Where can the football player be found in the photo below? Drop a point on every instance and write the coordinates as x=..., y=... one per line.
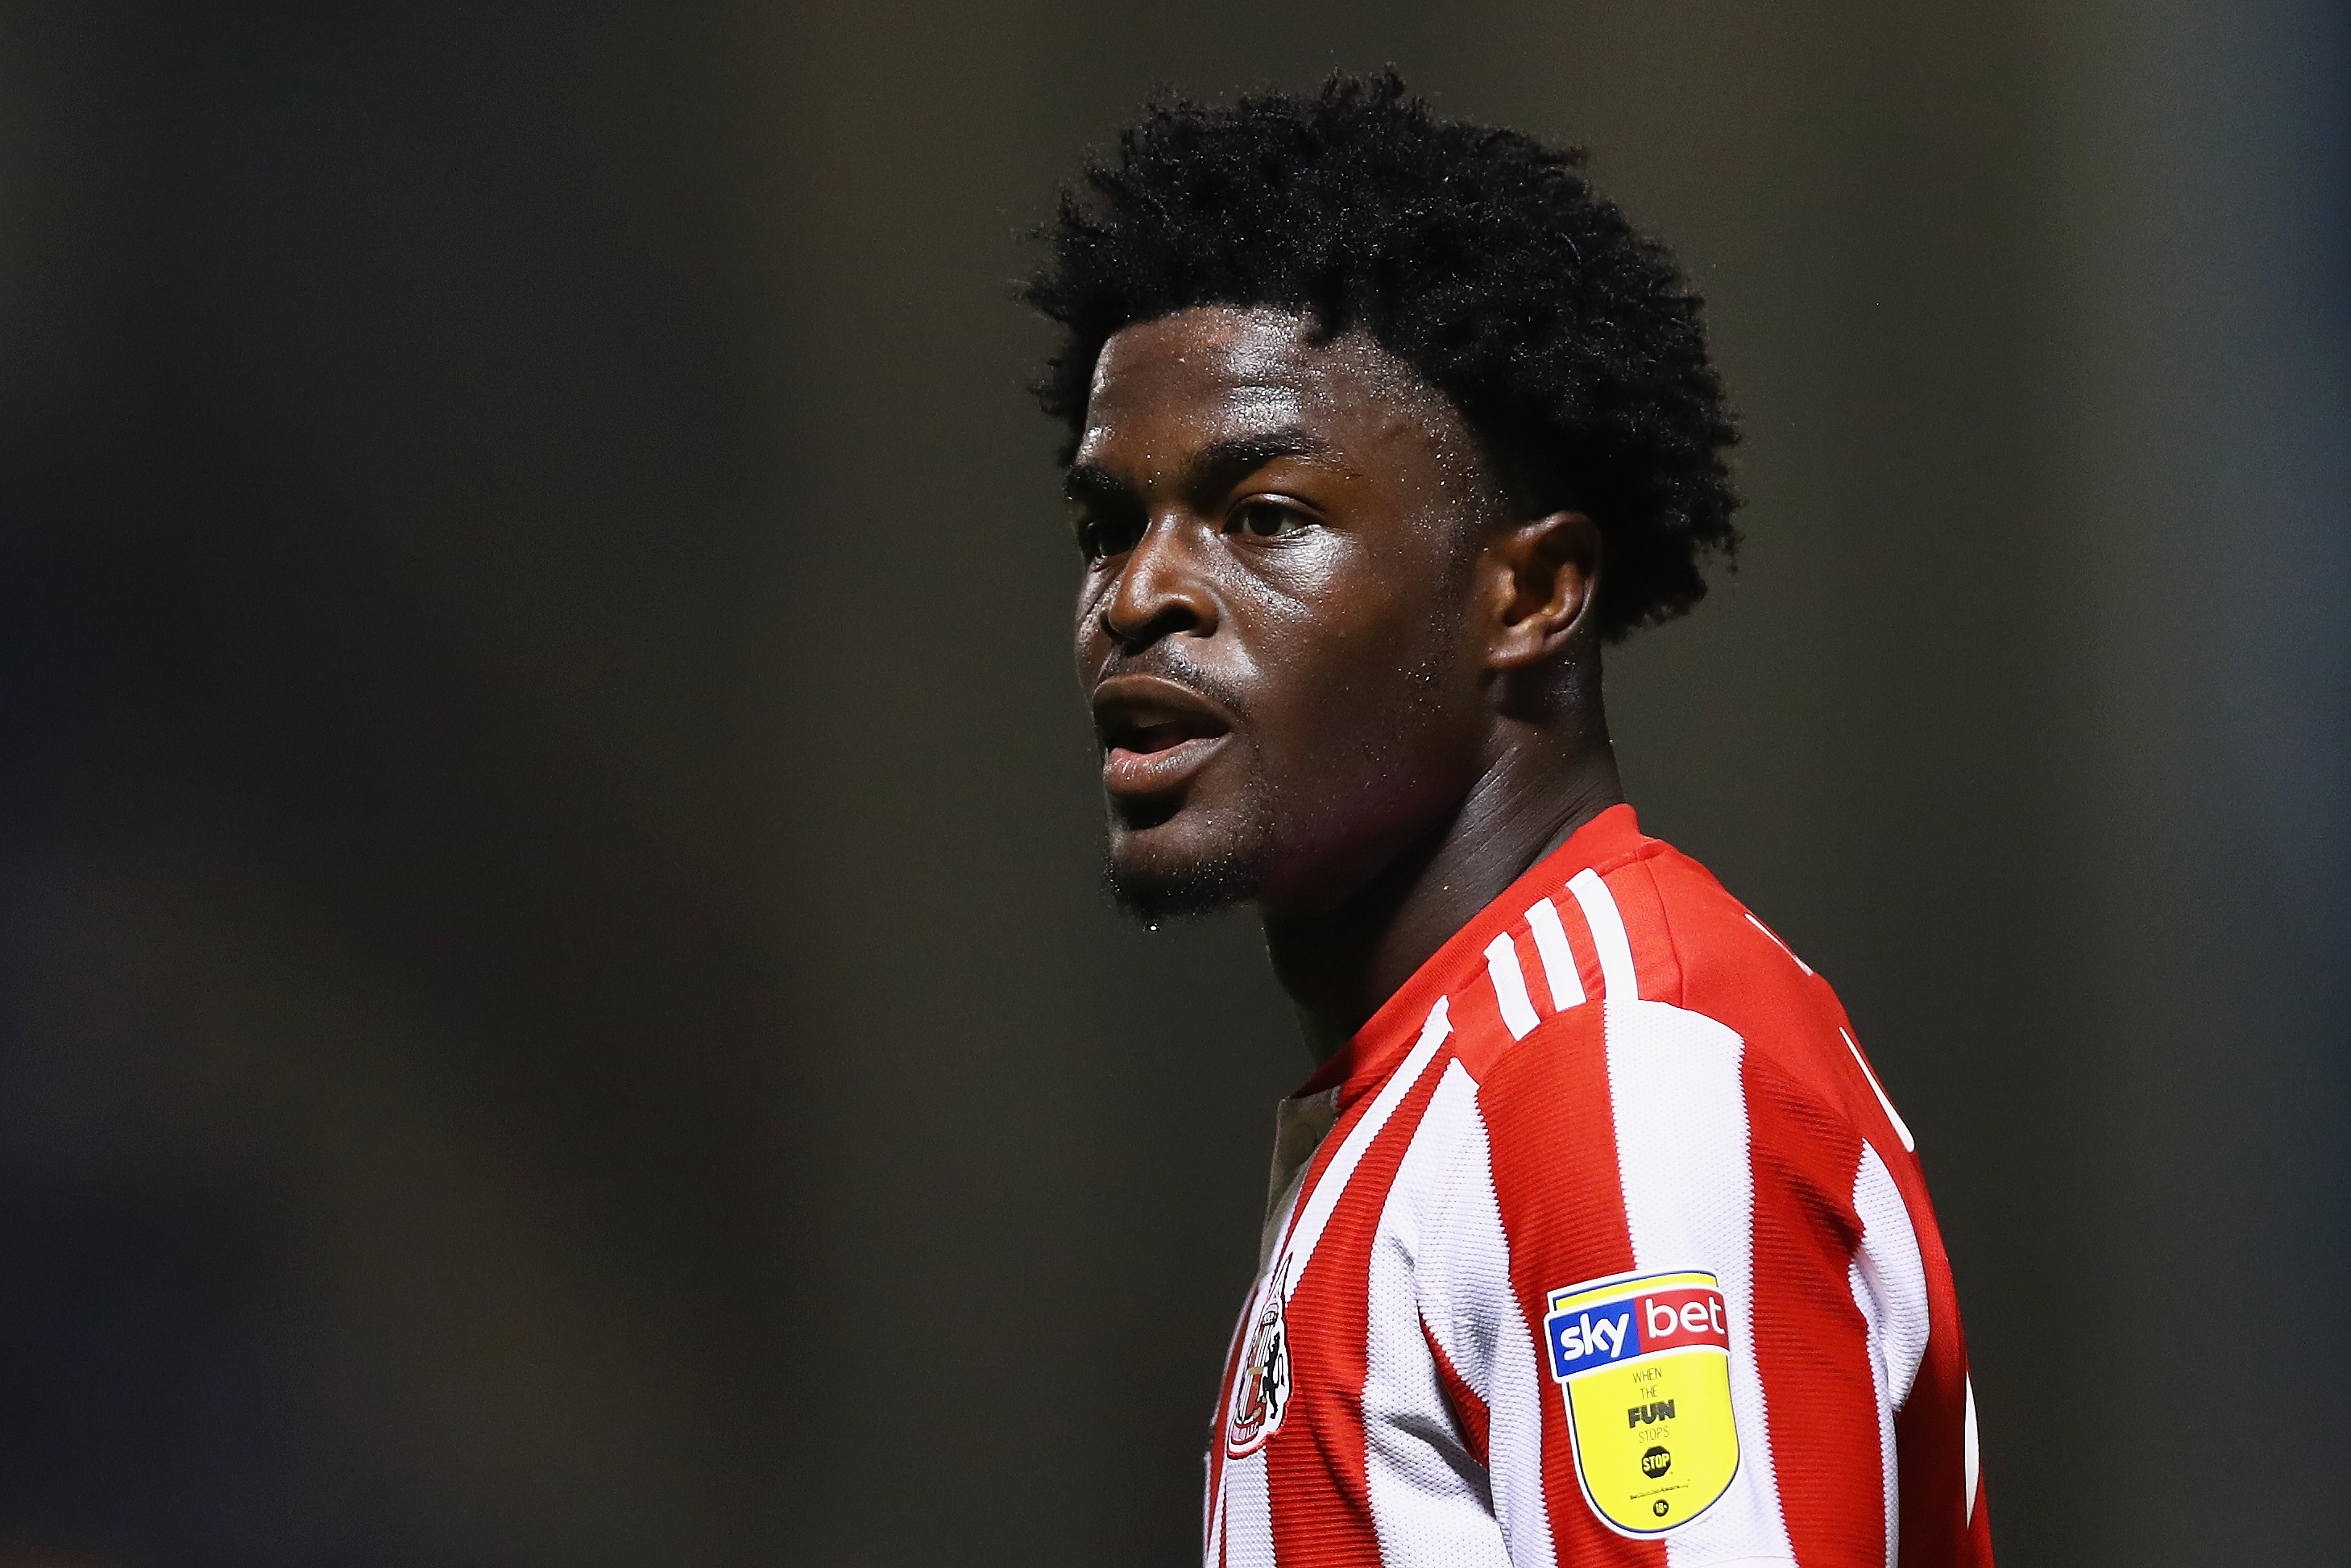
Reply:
x=1593, y=1239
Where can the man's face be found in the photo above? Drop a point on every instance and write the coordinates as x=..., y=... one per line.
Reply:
x=1274, y=627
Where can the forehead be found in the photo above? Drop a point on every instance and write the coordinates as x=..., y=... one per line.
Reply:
x=1218, y=373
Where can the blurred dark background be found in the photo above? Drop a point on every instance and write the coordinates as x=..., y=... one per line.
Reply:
x=555, y=1004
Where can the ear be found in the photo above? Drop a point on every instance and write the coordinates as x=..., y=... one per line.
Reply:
x=1538, y=579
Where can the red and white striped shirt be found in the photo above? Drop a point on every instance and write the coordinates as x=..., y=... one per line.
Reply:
x=1600, y=1244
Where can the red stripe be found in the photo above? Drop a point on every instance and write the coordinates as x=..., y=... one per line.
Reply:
x=1479, y=1032
x=1552, y=1133
x=1811, y=1343
x=1930, y=1441
x=1315, y=1467
x=1979, y=1554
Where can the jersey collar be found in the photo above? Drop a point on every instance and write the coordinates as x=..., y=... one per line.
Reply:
x=1364, y=1062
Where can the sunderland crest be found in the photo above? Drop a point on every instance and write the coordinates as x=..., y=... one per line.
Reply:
x=1261, y=1387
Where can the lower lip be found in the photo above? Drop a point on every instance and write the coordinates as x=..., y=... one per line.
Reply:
x=1128, y=772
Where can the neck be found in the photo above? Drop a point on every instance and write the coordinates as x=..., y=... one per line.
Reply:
x=1339, y=962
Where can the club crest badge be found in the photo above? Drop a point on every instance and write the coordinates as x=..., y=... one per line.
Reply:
x=1261, y=1387
x=1643, y=1364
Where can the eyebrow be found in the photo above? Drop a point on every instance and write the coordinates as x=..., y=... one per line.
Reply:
x=1213, y=470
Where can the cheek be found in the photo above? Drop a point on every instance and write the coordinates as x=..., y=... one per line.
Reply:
x=1091, y=646
x=1363, y=685
x=1369, y=702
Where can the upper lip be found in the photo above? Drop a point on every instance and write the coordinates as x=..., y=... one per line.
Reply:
x=1128, y=708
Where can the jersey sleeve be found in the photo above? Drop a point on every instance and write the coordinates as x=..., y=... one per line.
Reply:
x=1677, y=1300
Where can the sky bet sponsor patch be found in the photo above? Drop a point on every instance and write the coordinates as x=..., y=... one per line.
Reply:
x=1644, y=1366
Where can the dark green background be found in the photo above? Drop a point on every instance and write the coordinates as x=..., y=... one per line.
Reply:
x=555, y=1008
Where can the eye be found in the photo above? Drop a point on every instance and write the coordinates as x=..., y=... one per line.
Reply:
x=1100, y=537
x=1263, y=518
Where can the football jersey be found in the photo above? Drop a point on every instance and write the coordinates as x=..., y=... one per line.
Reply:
x=1599, y=1244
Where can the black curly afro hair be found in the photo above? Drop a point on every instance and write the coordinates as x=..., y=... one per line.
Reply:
x=1483, y=259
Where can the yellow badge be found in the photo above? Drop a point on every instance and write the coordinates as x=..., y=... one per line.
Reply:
x=1644, y=1366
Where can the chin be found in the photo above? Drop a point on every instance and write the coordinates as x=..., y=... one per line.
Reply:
x=1152, y=879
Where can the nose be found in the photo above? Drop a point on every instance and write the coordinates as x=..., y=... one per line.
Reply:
x=1160, y=591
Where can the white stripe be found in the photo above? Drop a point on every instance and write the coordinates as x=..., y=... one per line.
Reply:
x=1558, y=958
x=1971, y=1448
x=1509, y=986
x=1472, y=1310
x=1212, y=1547
x=1690, y=1201
x=1783, y=947
x=1901, y=1128
x=1600, y=913
x=1249, y=1514
x=1888, y=1278
x=1895, y=1269
x=1889, y=1480
x=1214, y=1503
x=1306, y=1228
x=1209, y=1516
x=1431, y=1504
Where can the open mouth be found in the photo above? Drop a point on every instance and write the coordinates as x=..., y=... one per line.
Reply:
x=1154, y=734
x=1151, y=739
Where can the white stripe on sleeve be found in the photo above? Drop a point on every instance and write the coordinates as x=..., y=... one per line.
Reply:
x=1607, y=924
x=1690, y=1201
x=1901, y=1128
x=1972, y=1461
x=1558, y=958
x=1888, y=1278
x=1509, y=986
x=1473, y=1312
x=1430, y=1500
x=1783, y=947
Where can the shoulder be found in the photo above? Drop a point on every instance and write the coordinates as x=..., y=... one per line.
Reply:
x=1697, y=946
x=1702, y=951
x=1692, y=1007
